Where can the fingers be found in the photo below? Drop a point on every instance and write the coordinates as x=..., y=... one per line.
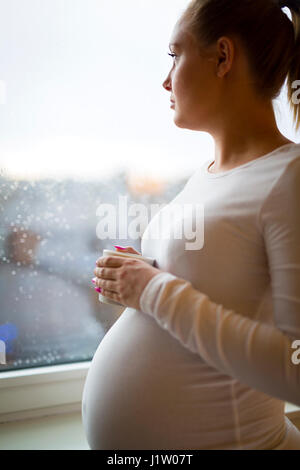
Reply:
x=106, y=285
x=127, y=249
x=111, y=295
x=105, y=273
x=109, y=261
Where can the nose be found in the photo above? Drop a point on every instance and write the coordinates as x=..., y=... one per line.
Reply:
x=167, y=83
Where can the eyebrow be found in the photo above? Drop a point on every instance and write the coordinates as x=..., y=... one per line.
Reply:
x=176, y=44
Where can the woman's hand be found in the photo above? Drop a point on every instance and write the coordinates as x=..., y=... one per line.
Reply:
x=123, y=279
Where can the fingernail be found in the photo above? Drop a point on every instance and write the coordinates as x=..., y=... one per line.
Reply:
x=98, y=289
x=94, y=282
x=119, y=247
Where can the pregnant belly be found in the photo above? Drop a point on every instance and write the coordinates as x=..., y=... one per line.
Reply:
x=144, y=390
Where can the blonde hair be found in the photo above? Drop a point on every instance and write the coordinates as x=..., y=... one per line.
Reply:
x=270, y=39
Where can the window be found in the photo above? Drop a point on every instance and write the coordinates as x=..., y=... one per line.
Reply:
x=80, y=127
x=84, y=119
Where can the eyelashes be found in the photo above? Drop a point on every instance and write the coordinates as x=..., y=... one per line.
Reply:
x=172, y=55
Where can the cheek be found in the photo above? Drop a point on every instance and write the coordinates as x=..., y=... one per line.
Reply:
x=188, y=86
x=177, y=86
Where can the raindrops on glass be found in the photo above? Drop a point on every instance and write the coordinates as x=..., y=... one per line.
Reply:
x=48, y=248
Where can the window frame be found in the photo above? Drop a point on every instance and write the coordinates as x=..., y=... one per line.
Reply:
x=51, y=390
x=41, y=391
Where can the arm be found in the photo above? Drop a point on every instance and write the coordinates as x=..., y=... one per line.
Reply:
x=258, y=355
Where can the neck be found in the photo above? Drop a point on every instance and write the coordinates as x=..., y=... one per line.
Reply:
x=245, y=134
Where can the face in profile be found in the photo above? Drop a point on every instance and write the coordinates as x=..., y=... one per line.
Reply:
x=191, y=81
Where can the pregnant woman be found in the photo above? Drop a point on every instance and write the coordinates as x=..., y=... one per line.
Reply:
x=204, y=356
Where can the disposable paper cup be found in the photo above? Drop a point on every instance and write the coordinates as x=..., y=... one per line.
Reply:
x=148, y=260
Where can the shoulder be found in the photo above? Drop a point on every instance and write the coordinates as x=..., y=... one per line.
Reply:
x=281, y=206
x=286, y=179
x=288, y=183
x=293, y=168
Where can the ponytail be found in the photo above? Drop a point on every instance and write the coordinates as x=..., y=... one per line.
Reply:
x=293, y=80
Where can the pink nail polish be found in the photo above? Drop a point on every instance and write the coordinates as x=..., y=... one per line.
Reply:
x=98, y=289
x=119, y=247
x=94, y=282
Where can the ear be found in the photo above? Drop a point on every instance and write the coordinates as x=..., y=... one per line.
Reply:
x=225, y=55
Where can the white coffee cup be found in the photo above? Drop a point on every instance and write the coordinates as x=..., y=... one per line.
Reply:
x=125, y=254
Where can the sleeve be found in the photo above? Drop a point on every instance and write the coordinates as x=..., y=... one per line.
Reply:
x=259, y=355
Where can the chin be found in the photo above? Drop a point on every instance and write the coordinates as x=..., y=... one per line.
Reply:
x=179, y=121
x=184, y=124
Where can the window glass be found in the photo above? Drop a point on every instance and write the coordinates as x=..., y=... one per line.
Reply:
x=84, y=120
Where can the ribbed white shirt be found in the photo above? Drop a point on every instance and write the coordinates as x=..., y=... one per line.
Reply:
x=207, y=361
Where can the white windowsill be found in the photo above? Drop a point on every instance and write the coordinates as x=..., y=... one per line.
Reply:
x=42, y=391
x=59, y=432
x=53, y=390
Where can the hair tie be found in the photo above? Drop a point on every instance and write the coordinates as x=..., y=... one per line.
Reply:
x=291, y=4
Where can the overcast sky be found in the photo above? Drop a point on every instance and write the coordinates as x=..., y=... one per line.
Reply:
x=81, y=90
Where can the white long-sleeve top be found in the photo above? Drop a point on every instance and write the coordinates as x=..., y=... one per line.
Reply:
x=208, y=361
